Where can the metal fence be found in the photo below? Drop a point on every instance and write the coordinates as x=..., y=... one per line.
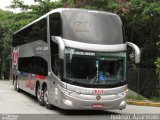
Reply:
x=144, y=82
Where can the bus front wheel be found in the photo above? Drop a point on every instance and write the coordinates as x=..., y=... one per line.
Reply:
x=46, y=100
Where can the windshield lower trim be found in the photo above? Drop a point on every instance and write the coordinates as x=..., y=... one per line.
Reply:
x=109, y=85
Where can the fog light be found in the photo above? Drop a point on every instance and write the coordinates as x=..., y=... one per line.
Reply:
x=122, y=105
x=67, y=102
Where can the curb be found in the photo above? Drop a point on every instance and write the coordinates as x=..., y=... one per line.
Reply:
x=140, y=103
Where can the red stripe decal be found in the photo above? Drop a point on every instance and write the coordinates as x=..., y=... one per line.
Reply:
x=40, y=77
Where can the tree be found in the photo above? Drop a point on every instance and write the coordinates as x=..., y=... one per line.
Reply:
x=141, y=28
x=157, y=63
x=9, y=23
x=39, y=9
x=5, y=39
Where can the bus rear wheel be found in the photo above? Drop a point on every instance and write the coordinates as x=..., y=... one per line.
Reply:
x=40, y=96
x=46, y=100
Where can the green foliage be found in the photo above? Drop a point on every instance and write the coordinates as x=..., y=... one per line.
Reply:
x=141, y=98
x=39, y=9
x=157, y=63
x=88, y=4
x=5, y=41
x=155, y=99
x=142, y=27
x=21, y=20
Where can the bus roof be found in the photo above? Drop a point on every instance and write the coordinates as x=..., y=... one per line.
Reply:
x=60, y=10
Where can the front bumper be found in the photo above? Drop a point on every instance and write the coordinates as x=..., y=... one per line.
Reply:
x=90, y=102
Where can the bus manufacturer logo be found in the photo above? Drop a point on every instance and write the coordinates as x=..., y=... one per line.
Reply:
x=98, y=97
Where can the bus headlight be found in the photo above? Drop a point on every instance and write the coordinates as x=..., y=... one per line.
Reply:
x=67, y=102
x=123, y=93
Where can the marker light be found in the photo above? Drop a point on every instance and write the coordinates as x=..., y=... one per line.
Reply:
x=123, y=93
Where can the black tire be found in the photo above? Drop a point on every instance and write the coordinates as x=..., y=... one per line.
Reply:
x=46, y=100
x=13, y=79
x=16, y=86
x=39, y=94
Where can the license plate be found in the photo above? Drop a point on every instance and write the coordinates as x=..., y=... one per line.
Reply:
x=97, y=106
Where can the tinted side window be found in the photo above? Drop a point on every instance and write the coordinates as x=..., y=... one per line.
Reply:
x=37, y=31
x=34, y=65
x=55, y=24
x=57, y=64
x=54, y=54
x=26, y=64
x=14, y=40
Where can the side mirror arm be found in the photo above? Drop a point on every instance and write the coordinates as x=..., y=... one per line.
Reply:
x=137, y=51
x=61, y=45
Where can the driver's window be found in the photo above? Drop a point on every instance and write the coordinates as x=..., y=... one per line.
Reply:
x=58, y=67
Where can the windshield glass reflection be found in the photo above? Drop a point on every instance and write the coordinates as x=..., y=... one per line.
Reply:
x=89, y=68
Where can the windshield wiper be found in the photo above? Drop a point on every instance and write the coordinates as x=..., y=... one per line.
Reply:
x=93, y=79
x=71, y=81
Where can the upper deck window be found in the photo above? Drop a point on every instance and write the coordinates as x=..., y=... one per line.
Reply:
x=34, y=32
x=55, y=24
x=90, y=27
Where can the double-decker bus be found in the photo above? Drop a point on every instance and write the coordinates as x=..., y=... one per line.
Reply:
x=73, y=59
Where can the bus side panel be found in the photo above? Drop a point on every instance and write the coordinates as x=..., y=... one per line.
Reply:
x=32, y=65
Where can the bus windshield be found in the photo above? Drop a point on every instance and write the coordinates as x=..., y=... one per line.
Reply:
x=95, y=68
